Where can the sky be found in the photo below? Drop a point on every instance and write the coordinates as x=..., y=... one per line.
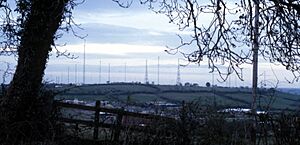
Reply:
x=124, y=39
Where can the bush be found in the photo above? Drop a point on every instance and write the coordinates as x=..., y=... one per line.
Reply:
x=41, y=128
x=204, y=125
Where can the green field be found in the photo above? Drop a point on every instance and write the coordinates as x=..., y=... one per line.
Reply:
x=141, y=93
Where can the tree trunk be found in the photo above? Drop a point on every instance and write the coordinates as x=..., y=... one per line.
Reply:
x=37, y=36
x=255, y=70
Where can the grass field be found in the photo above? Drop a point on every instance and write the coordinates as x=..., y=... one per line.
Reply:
x=141, y=93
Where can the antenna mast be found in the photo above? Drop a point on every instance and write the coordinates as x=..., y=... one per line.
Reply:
x=125, y=71
x=158, y=70
x=68, y=74
x=212, y=79
x=178, y=82
x=108, y=73
x=83, y=77
x=146, y=73
x=100, y=71
x=75, y=73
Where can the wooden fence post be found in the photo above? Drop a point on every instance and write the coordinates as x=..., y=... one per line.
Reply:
x=96, y=120
x=117, y=131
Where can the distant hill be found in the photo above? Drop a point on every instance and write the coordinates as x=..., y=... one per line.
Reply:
x=290, y=90
x=142, y=93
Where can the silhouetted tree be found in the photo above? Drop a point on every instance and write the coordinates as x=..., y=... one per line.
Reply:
x=29, y=31
x=207, y=84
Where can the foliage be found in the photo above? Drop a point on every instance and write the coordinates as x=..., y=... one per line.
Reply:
x=207, y=84
x=14, y=14
x=29, y=29
x=42, y=130
x=196, y=124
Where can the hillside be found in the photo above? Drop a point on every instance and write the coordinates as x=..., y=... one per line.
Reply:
x=141, y=93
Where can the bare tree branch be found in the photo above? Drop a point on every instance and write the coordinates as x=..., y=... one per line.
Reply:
x=226, y=39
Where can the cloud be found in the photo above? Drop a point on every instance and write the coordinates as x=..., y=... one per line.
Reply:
x=127, y=18
x=113, y=49
x=108, y=6
x=104, y=33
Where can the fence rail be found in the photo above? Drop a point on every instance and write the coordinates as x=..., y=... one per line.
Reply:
x=117, y=126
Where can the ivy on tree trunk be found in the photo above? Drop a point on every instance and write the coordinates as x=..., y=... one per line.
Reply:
x=36, y=38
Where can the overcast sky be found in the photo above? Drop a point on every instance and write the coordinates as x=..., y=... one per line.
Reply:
x=128, y=37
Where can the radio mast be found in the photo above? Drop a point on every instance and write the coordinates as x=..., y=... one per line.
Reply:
x=83, y=75
x=158, y=70
x=108, y=73
x=68, y=74
x=146, y=73
x=75, y=73
x=100, y=71
x=125, y=71
x=178, y=82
